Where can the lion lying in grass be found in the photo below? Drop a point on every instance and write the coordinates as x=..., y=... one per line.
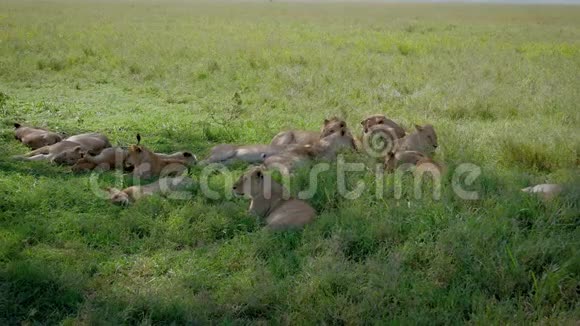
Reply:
x=381, y=120
x=302, y=137
x=253, y=154
x=35, y=138
x=420, y=160
x=547, y=191
x=423, y=140
x=414, y=148
x=256, y=154
x=163, y=186
x=326, y=148
x=115, y=158
x=147, y=164
x=268, y=201
x=379, y=140
x=70, y=150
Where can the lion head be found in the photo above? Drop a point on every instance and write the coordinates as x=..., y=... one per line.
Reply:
x=331, y=126
x=68, y=157
x=428, y=135
x=118, y=197
x=250, y=184
x=373, y=120
x=138, y=155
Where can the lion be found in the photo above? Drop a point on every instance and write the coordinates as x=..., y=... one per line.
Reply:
x=109, y=158
x=326, y=148
x=418, y=159
x=35, y=138
x=188, y=158
x=70, y=150
x=302, y=137
x=423, y=140
x=379, y=119
x=115, y=157
x=94, y=142
x=547, y=191
x=413, y=148
x=253, y=154
x=256, y=154
x=163, y=186
x=379, y=140
x=269, y=201
x=147, y=164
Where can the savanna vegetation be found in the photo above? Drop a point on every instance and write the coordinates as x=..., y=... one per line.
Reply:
x=499, y=83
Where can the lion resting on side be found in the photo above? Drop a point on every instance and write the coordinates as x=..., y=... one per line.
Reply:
x=547, y=191
x=35, y=138
x=163, y=186
x=253, y=154
x=109, y=158
x=147, y=164
x=70, y=150
x=268, y=201
x=326, y=148
x=115, y=157
x=302, y=137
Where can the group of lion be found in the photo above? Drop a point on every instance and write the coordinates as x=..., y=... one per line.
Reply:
x=381, y=138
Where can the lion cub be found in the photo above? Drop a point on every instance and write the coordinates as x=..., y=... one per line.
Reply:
x=268, y=201
x=302, y=137
x=35, y=138
x=163, y=186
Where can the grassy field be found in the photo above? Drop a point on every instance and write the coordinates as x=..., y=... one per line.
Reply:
x=499, y=83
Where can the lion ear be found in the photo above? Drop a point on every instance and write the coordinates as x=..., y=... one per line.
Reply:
x=362, y=123
x=138, y=139
x=326, y=121
x=419, y=128
x=77, y=149
x=17, y=125
x=138, y=149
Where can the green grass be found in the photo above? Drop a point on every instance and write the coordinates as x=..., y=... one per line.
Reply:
x=499, y=83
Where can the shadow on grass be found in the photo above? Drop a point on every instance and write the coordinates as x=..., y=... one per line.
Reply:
x=45, y=169
x=32, y=293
